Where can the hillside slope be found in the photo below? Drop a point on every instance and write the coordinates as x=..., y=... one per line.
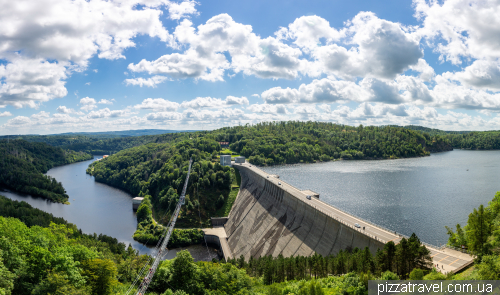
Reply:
x=23, y=163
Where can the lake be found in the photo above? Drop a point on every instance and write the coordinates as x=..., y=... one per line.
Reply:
x=97, y=208
x=420, y=195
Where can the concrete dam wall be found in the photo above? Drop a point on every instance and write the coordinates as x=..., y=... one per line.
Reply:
x=271, y=217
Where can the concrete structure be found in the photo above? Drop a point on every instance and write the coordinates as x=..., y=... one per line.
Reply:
x=218, y=221
x=310, y=193
x=136, y=202
x=271, y=217
x=239, y=159
x=217, y=236
x=225, y=160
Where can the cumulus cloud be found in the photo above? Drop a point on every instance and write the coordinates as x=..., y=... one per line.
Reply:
x=158, y=105
x=149, y=82
x=64, y=110
x=481, y=74
x=40, y=115
x=324, y=90
x=268, y=109
x=106, y=113
x=380, y=49
x=210, y=102
x=461, y=28
x=88, y=104
x=307, y=32
x=5, y=114
x=44, y=41
x=105, y=101
x=177, y=11
x=28, y=82
x=204, y=58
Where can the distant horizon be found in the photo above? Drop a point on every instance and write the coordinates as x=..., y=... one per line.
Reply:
x=190, y=130
x=76, y=66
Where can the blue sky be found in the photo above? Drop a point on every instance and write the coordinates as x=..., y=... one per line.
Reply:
x=135, y=64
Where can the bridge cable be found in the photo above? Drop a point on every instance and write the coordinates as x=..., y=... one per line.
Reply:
x=157, y=258
x=142, y=247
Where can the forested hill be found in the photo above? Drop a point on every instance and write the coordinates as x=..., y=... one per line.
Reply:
x=98, y=144
x=158, y=171
x=294, y=142
x=23, y=163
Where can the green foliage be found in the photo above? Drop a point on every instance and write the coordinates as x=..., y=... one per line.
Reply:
x=417, y=274
x=23, y=163
x=275, y=143
x=101, y=144
x=42, y=257
x=101, y=275
x=401, y=259
x=159, y=170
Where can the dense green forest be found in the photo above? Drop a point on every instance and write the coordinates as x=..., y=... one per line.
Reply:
x=23, y=163
x=481, y=236
x=43, y=254
x=98, y=144
x=297, y=142
x=157, y=171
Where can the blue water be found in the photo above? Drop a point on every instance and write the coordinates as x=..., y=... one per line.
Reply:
x=420, y=195
x=98, y=208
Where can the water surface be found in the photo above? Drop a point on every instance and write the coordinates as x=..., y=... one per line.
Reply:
x=421, y=195
x=96, y=207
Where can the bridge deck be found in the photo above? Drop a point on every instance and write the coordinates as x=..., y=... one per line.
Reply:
x=447, y=259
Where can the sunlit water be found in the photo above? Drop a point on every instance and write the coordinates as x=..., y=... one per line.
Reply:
x=420, y=195
x=98, y=208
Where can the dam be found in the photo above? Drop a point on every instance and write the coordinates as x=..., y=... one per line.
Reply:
x=272, y=217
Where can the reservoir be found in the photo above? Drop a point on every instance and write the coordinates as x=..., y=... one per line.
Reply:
x=98, y=208
x=420, y=195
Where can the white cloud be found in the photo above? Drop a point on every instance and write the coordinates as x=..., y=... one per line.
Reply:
x=324, y=90
x=5, y=114
x=179, y=10
x=105, y=101
x=149, y=82
x=481, y=74
x=40, y=115
x=28, y=82
x=308, y=31
x=461, y=28
x=107, y=113
x=19, y=120
x=380, y=49
x=256, y=95
x=64, y=110
x=44, y=41
x=88, y=83
x=233, y=100
x=88, y=104
x=158, y=105
x=164, y=116
x=268, y=108
x=204, y=58
x=210, y=102
x=95, y=70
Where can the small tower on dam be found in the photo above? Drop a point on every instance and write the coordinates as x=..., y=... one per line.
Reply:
x=225, y=160
x=136, y=202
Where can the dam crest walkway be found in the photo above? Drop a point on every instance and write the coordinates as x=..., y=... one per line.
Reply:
x=272, y=217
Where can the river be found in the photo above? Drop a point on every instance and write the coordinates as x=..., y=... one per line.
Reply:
x=98, y=208
x=420, y=195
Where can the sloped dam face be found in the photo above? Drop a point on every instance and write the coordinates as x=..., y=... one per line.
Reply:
x=271, y=217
